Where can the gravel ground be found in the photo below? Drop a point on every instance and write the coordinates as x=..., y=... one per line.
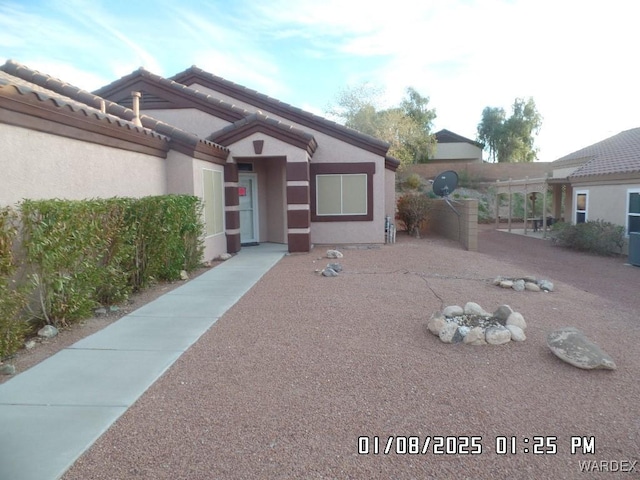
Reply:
x=302, y=366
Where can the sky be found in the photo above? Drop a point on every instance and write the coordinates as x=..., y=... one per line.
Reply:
x=577, y=59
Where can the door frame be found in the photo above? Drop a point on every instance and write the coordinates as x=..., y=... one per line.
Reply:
x=254, y=207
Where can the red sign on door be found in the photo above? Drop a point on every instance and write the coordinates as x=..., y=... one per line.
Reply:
x=242, y=191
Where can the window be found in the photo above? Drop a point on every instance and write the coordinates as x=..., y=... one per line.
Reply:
x=213, y=202
x=341, y=192
x=581, y=206
x=633, y=211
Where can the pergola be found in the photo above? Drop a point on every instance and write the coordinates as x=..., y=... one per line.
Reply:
x=525, y=187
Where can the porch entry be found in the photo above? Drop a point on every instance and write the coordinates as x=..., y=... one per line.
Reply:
x=248, y=196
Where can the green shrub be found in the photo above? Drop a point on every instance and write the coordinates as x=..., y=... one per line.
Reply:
x=13, y=328
x=96, y=252
x=413, y=181
x=599, y=237
x=413, y=210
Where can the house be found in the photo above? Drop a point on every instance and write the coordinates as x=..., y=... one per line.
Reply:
x=266, y=171
x=452, y=147
x=600, y=182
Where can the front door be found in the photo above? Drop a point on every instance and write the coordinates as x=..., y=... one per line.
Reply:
x=248, y=193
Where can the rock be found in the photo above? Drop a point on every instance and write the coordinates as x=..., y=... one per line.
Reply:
x=329, y=272
x=472, y=308
x=497, y=335
x=114, y=308
x=100, y=311
x=506, y=284
x=532, y=287
x=476, y=336
x=48, y=331
x=517, y=334
x=450, y=334
x=334, y=254
x=529, y=279
x=545, y=285
x=30, y=344
x=184, y=275
x=453, y=311
x=464, y=331
x=517, y=319
x=518, y=285
x=502, y=313
x=572, y=346
x=497, y=280
x=336, y=267
x=436, y=323
x=7, y=369
x=224, y=256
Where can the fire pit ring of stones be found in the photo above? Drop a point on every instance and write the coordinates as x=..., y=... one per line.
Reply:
x=472, y=325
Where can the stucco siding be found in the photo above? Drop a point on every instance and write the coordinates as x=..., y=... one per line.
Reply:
x=450, y=151
x=189, y=119
x=39, y=165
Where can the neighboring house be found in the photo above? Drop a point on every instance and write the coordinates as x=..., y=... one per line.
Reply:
x=452, y=147
x=600, y=182
x=266, y=171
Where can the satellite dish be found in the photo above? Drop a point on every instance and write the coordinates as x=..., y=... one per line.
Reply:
x=444, y=184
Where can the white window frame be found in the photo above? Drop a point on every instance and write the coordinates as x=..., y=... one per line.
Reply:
x=213, y=218
x=342, y=212
x=575, y=206
x=628, y=213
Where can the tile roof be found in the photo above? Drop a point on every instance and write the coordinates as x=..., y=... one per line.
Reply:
x=619, y=154
x=260, y=122
x=62, y=93
x=34, y=93
x=285, y=110
x=447, y=136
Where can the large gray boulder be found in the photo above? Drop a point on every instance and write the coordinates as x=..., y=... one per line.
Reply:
x=572, y=346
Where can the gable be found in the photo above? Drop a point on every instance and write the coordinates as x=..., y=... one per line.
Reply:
x=261, y=102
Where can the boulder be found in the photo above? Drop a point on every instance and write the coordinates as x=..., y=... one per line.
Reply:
x=476, y=336
x=532, y=287
x=502, y=313
x=450, y=333
x=518, y=285
x=506, y=284
x=48, y=331
x=545, y=285
x=184, y=275
x=224, y=256
x=329, y=272
x=7, y=369
x=436, y=323
x=336, y=267
x=334, y=254
x=572, y=346
x=453, y=311
x=497, y=280
x=517, y=334
x=472, y=308
x=529, y=279
x=517, y=319
x=497, y=335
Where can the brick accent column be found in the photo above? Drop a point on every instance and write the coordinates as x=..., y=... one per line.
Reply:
x=232, y=207
x=298, y=212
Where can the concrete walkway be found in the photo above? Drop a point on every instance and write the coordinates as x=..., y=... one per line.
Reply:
x=53, y=412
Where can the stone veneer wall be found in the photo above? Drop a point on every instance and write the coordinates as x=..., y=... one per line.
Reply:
x=444, y=221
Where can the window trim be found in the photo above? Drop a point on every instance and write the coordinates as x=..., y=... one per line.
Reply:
x=218, y=201
x=316, y=169
x=627, y=212
x=575, y=206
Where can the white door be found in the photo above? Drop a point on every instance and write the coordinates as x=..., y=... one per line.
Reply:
x=248, y=192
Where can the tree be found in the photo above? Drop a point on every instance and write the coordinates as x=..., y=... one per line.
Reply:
x=510, y=139
x=407, y=127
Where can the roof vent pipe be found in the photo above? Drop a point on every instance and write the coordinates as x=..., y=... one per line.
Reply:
x=136, y=108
